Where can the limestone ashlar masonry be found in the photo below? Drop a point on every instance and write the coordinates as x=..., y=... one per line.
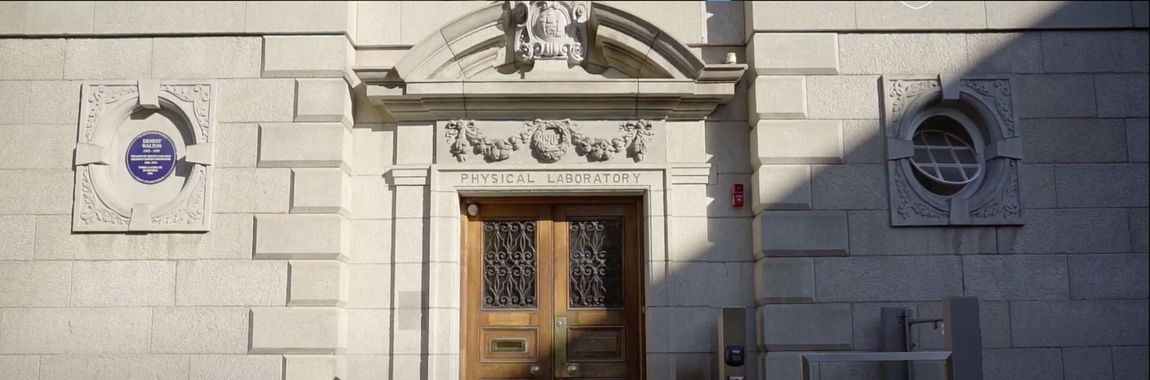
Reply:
x=334, y=246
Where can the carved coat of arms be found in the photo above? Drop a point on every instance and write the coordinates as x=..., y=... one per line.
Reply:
x=550, y=30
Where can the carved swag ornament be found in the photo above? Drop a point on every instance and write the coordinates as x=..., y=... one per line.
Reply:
x=549, y=140
x=550, y=30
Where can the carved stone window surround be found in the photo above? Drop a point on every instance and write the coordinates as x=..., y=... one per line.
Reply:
x=107, y=201
x=984, y=106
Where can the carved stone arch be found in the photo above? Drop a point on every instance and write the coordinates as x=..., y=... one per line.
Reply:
x=610, y=60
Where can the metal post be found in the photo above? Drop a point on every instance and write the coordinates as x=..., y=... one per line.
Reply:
x=893, y=340
x=732, y=346
x=963, y=338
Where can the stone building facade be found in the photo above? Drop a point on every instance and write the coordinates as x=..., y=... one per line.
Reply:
x=292, y=190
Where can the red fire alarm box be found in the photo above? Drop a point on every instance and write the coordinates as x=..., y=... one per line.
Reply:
x=737, y=195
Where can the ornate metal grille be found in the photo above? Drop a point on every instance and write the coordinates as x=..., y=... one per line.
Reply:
x=509, y=265
x=596, y=250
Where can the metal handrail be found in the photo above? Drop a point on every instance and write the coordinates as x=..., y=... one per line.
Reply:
x=830, y=357
x=962, y=332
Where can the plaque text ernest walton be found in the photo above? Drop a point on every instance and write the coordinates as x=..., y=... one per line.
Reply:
x=549, y=178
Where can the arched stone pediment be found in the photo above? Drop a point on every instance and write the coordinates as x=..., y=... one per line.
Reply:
x=535, y=59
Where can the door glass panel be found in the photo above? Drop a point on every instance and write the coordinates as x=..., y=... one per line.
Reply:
x=509, y=265
x=596, y=262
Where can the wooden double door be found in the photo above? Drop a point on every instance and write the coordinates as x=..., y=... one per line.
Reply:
x=553, y=289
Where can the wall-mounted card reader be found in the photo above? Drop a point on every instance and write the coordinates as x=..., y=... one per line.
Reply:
x=734, y=356
x=732, y=347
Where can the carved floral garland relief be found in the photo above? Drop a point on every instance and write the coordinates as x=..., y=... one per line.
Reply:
x=549, y=141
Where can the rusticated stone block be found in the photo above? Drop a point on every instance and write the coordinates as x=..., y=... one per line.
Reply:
x=320, y=191
x=1022, y=363
x=279, y=237
x=236, y=367
x=306, y=56
x=1078, y=323
x=784, y=280
x=323, y=100
x=318, y=283
x=35, y=283
x=1068, y=231
x=75, y=331
x=1015, y=277
x=152, y=367
x=231, y=283
x=252, y=100
x=1109, y=276
x=922, y=278
x=781, y=187
x=298, y=330
x=123, y=283
x=794, y=53
x=871, y=234
x=778, y=97
x=1087, y=363
x=804, y=327
x=1075, y=96
x=326, y=145
x=901, y=17
x=198, y=330
x=796, y=141
x=1123, y=95
x=1051, y=15
x=1074, y=140
x=299, y=17
x=119, y=58
x=307, y=367
x=1130, y=363
x=1104, y=52
x=262, y=190
x=207, y=57
x=800, y=233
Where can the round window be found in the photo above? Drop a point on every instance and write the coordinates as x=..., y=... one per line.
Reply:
x=945, y=160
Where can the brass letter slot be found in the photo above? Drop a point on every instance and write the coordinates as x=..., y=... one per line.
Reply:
x=509, y=345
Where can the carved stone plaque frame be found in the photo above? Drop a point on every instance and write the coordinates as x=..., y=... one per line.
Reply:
x=105, y=199
x=985, y=107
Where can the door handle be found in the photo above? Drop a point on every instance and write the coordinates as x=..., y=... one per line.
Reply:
x=536, y=369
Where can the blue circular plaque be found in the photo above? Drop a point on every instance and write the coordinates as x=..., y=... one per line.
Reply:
x=151, y=157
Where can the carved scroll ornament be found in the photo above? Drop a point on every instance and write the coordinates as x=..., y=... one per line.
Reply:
x=549, y=141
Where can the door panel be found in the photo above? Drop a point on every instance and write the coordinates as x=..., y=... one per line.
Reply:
x=503, y=293
x=553, y=289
